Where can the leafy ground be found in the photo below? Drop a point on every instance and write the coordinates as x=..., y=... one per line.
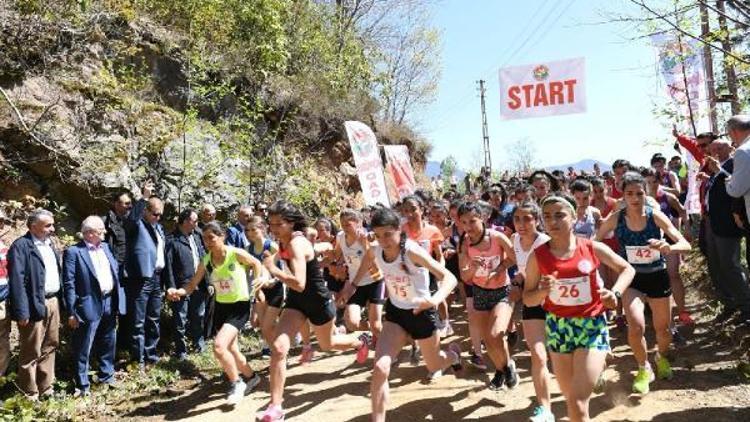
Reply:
x=711, y=383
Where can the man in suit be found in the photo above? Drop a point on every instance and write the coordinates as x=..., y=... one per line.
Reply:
x=738, y=182
x=723, y=237
x=144, y=262
x=184, y=253
x=93, y=298
x=34, y=287
x=236, y=233
x=114, y=222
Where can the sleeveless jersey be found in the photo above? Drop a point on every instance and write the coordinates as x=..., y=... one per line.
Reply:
x=634, y=244
x=427, y=237
x=353, y=256
x=229, y=279
x=316, y=289
x=522, y=256
x=490, y=259
x=404, y=280
x=576, y=293
x=586, y=227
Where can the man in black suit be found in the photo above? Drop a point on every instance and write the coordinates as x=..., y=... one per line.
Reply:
x=34, y=282
x=723, y=236
x=114, y=222
x=184, y=252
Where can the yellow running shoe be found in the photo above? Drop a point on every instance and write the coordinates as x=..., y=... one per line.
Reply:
x=642, y=380
x=663, y=368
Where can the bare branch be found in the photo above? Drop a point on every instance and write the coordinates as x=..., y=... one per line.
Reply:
x=709, y=6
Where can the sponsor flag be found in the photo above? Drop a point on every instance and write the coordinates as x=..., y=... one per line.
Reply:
x=543, y=89
x=398, y=164
x=367, y=160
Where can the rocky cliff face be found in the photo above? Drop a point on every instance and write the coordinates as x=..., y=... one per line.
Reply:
x=93, y=107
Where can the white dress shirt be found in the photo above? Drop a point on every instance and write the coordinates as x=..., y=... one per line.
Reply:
x=51, y=273
x=101, y=267
x=194, y=251
x=160, y=264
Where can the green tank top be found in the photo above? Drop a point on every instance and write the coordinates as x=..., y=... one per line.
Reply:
x=229, y=279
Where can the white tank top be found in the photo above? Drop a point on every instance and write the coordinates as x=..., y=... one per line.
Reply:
x=522, y=256
x=403, y=288
x=353, y=256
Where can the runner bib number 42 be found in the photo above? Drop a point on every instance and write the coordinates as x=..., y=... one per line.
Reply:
x=642, y=254
x=571, y=291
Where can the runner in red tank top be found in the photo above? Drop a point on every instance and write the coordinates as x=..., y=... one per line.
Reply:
x=563, y=276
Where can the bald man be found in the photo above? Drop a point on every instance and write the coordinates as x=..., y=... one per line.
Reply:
x=723, y=236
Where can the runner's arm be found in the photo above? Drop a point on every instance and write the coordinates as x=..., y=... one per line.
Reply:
x=607, y=225
x=297, y=277
x=446, y=281
x=681, y=245
x=466, y=267
x=625, y=272
x=532, y=294
x=187, y=289
x=249, y=261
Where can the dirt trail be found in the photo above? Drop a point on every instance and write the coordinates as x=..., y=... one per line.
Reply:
x=706, y=387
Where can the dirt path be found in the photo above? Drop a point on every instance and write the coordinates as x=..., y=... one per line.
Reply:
x=706, y=387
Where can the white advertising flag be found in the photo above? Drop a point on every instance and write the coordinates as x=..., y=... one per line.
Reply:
x=543, y=89
x=367, y=160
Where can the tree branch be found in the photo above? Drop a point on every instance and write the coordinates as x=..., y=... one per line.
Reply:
x=708, y=6
x=680, y=30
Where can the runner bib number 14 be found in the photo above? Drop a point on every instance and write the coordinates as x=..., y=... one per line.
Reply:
x=642, y=254
x=571, y=291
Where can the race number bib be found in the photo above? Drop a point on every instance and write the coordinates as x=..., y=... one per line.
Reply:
x=353, y=262
x=571, y=291
x=642, y=254
x=223, y=286
x=486, y=266
x=400, y=287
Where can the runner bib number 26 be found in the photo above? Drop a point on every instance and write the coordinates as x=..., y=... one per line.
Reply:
x=571, y=291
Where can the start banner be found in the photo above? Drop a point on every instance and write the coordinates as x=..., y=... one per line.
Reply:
x=398, y=164
x=543, y=89
x=367, y=160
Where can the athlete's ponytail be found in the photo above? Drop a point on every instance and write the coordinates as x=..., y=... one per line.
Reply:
x=402, y=252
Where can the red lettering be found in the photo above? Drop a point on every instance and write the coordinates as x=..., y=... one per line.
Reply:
x=527, y=92
x=515, y=101
x=571, y=83
x=556, y=93
x=540, y=98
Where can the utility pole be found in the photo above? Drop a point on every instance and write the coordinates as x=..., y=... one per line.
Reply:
x=708, y=64
x=485, y=132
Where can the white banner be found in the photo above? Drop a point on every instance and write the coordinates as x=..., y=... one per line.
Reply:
x=543, y=89
x=399, y=168
x=681, y=65
x=367, y=160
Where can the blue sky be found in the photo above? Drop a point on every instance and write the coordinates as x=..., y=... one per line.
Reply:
x=622, y=81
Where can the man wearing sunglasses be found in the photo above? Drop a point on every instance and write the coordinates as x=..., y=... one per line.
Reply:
x=144, y=262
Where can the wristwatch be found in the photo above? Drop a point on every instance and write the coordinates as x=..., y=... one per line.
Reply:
x=618, y=295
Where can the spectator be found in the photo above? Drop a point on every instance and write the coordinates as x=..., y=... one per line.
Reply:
x=114, y=222
x=261, y=210
x=723, y=236
x=145, y=261
x=4, y=314
x=738, y=185
x=184, y=253
x=93, y=298
x=208, y=214
x=34, y=281
x=236, y=233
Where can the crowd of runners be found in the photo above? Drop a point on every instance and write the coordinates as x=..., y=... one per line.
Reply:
x=553, y=258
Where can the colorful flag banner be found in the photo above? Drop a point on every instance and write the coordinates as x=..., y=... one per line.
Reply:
x=398, y=164
x=543, y=89
x=367, y=160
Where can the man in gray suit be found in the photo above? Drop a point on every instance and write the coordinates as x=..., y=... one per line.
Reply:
x=738, y=183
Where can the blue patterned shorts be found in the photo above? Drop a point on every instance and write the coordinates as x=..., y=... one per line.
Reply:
x=564, y=335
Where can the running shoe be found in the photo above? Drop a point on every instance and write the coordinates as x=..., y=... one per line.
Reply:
x=236, y=392
x=498, y=381
x=364, y=350
x=440, y=325
x=511, y=375
x=432, y=376
x=297, y=339
x=541, y=414
x=307, y=355
x=265, y=353
x=663, y=368
x=251, y=382
x=448, y=329
x=272, y=413
x=685, y=318
x=476, y=361
x=642, y=380
x=457, y=365
x=416, y=355
x=677, y=338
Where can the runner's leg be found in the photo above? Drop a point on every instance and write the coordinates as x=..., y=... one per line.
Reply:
x=587, y=365
x=223, y=343
x=391, y=341
x=634, y=307
x=290, y=323
x=533, y=330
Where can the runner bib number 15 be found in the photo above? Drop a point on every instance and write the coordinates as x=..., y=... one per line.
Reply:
x=642, y=254
x=571, y=291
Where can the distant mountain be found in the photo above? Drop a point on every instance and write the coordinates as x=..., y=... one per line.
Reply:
x=432, y=169
x=587, y=165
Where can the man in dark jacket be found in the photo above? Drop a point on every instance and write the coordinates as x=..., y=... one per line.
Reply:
x=184, y=252
x=93, y=298
x=144, y=262
x=34, y=281
x=723, y=238
x=116, y=238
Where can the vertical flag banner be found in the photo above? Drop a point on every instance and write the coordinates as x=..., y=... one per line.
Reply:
x=543, y=89
x=398, y=164
x=681, y=65
x=367, y=160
